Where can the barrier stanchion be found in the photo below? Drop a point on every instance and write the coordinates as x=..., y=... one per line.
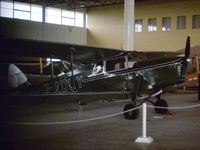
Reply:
x=199, y=88
x=144, y=138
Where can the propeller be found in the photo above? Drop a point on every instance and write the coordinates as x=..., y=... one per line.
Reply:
x=187, y=47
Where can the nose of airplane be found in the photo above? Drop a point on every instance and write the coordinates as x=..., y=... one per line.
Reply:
x=15, y=76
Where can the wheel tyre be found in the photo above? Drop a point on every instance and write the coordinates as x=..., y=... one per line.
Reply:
x=161, y=103
x=132, y=114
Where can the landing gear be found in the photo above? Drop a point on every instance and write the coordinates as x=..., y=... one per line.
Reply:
x=131, y=115
x=161, y=103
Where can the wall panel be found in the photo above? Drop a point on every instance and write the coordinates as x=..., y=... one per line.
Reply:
x=14, y=28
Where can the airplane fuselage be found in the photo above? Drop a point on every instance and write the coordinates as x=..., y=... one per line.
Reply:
x=124, y=81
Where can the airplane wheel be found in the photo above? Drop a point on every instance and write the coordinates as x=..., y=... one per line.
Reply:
x=161, y=103
x=132, y=114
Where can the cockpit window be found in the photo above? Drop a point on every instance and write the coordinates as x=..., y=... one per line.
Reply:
x=112, y=65
x=115, y=64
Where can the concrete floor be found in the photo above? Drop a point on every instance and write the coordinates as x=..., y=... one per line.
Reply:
x=179, y=131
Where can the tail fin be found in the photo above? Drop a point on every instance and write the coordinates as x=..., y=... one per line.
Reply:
x=187, y=47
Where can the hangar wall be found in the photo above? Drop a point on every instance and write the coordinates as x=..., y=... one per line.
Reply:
x=42, y=31
x=105, y=25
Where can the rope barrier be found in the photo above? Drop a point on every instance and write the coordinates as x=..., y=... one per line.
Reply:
x=177, y=107
x=144, y=138
x=71, y=122
x=96, y=118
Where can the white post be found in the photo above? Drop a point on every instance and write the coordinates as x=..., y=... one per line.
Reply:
x=128, y=42
x=144, y=120
x=144, y=138
x=80, y=110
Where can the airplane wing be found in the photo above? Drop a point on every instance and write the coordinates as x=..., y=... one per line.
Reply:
x=11, y=49
x=38, y=48
x=153, y=55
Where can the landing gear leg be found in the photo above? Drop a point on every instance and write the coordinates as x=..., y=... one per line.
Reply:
x=131, y=115
x=161, y=103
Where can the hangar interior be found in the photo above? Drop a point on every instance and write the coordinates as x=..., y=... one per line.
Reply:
x=159, y=26
x=167, y=22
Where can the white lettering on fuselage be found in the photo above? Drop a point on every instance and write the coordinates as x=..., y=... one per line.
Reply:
x=65, y=84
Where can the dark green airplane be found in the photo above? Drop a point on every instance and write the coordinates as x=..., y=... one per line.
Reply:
x=82, y=73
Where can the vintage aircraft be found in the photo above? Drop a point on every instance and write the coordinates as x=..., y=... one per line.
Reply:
x=88, y=73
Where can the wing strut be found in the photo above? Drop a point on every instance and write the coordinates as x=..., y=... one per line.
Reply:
x=41, y=69
x=52, y=69
x=71, y=65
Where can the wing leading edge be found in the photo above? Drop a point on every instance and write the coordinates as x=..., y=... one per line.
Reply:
x=38, y=48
